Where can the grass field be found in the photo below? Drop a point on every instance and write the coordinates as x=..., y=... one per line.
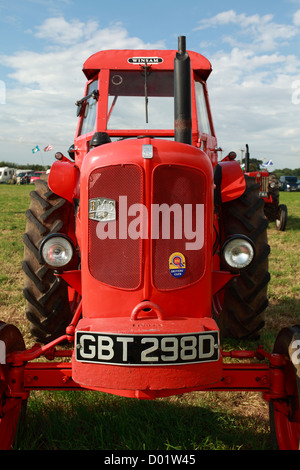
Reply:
x=197, y=421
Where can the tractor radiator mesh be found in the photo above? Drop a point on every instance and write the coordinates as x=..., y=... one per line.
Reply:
x=178, y=187
x=115, y=260
x=265, y=184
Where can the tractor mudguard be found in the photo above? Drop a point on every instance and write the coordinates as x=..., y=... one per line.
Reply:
x=63, y=179
x=229, y=180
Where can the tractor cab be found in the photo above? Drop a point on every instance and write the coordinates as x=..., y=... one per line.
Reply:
x=130, y=93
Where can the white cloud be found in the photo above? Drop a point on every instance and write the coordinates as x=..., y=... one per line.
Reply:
x=60, y=31
x=259, y=32
x=296, y=18
x=43, y=86
x=251, y=86
x=231, y=17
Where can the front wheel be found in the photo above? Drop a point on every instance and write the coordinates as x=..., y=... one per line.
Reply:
x=281, y=218
x=284, y=412
x=48, y=307
x=245, y=296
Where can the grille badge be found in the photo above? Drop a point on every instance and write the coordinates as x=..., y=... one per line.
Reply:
x=147, y=151
x=102, y=209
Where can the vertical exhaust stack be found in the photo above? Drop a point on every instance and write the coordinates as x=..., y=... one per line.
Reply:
x=182, y=94
x=247, y=157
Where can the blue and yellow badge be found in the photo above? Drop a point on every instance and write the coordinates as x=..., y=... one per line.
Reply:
x=177, y=264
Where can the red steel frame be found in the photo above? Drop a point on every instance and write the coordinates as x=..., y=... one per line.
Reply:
x=239, y=376
x=26, y=376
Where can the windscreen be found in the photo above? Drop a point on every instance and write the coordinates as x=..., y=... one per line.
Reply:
x=141, y=99
x=291, y=179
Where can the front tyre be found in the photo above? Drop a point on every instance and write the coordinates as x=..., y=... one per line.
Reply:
x=48, y=307
x=245, y=296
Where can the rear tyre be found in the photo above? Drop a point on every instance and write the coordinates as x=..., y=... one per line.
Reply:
x=245, y=296
x=48, y=307
x=284, y=413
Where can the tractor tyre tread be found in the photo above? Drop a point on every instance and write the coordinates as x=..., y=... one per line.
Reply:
x=245, y=296
x=48, y=309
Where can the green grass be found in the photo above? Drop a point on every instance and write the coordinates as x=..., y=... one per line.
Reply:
x=196, y=421
x=97, y=421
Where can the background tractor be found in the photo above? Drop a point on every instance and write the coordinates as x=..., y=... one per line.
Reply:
x=269, y=192
x=142, y=252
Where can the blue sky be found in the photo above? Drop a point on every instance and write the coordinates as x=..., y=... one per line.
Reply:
x=253, y=47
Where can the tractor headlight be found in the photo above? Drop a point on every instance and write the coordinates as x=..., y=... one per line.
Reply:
x=57, y=250
x=238, y=252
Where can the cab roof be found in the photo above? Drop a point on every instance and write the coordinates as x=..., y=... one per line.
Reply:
x=134, y=59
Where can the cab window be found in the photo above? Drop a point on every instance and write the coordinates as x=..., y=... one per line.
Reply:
x=202, y=113
x=139, y=102
x=89, y=108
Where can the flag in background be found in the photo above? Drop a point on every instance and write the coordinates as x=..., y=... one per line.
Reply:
x=268, y=163
x=36, y=149
x=49, y=147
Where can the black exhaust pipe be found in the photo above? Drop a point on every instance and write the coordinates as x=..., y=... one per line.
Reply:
x=182, y=94
x=247, y=157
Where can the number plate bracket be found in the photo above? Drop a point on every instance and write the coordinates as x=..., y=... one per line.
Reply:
x=147, y=350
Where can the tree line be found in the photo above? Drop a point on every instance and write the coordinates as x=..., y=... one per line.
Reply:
x=24, y=167
x=254, y=165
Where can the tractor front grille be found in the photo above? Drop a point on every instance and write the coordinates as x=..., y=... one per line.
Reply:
x=115, y=252
x=117, y=259
x=264, y=186
x=180, y=188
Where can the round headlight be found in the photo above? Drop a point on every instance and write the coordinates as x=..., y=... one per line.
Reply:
x=57, y=250
x=238, y=252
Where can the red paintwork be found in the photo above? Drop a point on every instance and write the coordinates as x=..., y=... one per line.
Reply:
x=118, y=60
x=233, y=182
x=180, y=307
x=180, y=310
x=64, y=179
x=37, y=175
x=258, y=175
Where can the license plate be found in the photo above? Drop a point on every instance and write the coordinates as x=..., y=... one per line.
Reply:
x=148, y=350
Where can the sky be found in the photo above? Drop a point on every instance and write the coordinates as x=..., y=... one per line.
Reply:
x=254, y=49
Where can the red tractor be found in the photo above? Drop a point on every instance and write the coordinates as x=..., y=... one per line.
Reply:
x=269, y=192
x=142, y=250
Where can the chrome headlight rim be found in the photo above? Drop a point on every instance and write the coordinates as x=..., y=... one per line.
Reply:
x=233, y=242
x=65, y=241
